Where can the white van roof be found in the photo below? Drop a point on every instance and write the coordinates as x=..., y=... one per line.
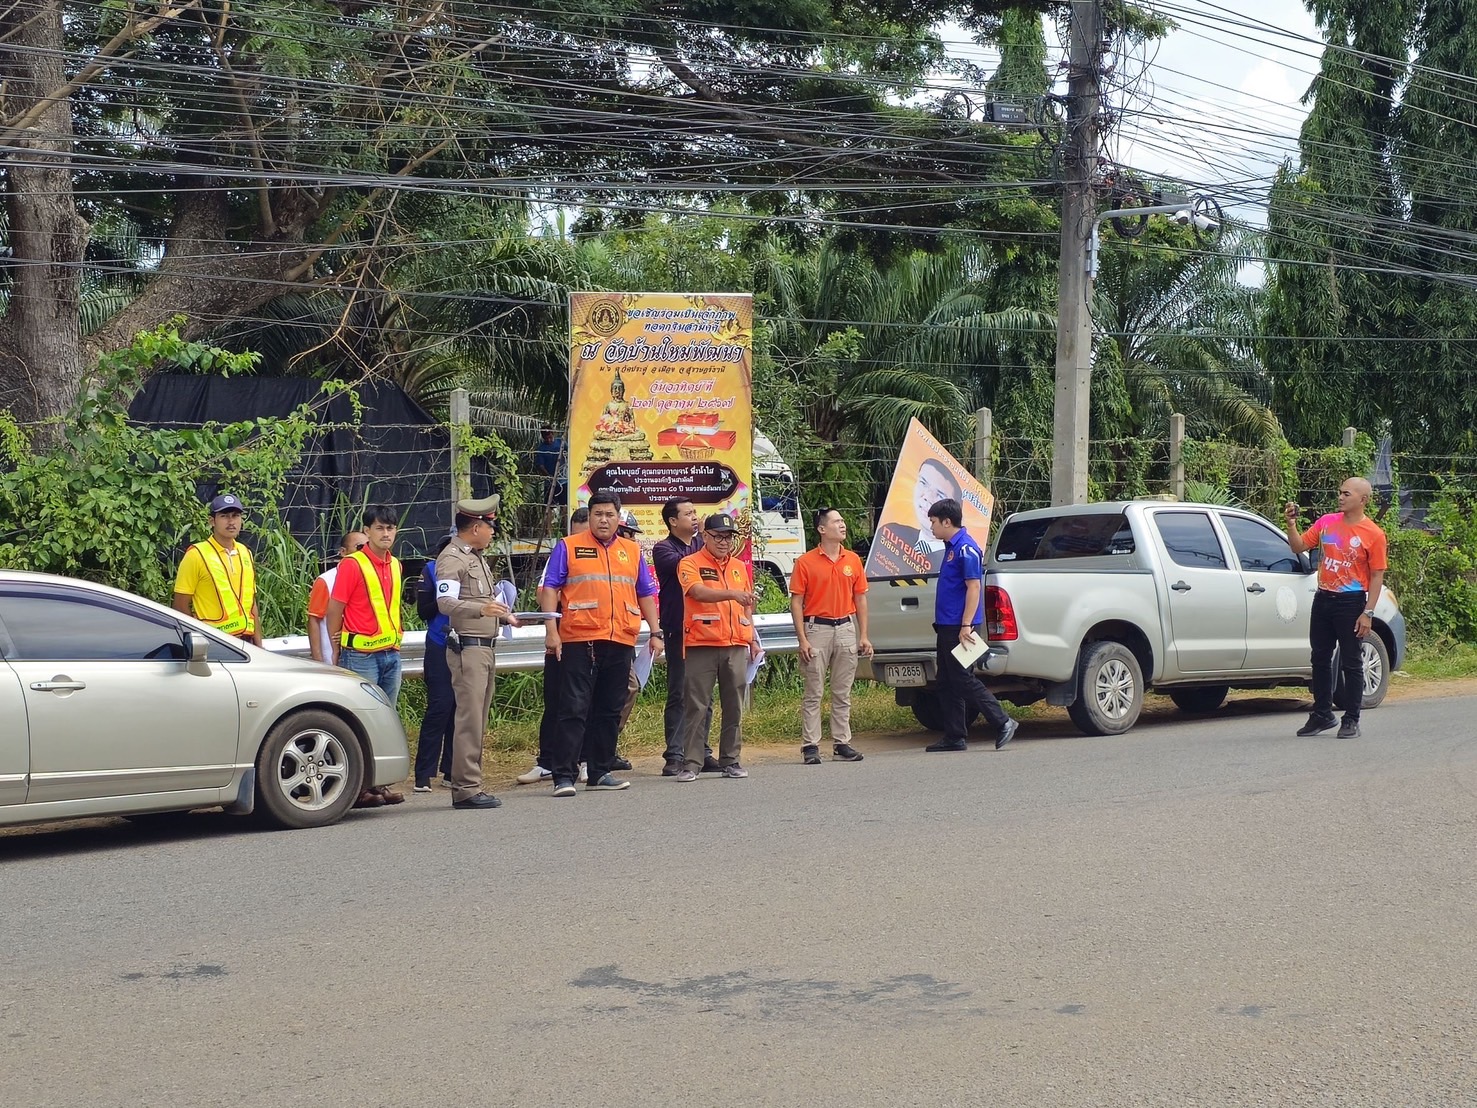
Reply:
x=767, y=459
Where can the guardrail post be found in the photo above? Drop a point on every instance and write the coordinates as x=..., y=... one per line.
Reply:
x=1177, y=455
x=1349, y=433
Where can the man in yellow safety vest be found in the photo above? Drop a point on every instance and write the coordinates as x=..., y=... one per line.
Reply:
x=216, y=582
x=364, y=620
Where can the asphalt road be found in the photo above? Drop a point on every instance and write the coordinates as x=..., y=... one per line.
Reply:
x=1199, y=913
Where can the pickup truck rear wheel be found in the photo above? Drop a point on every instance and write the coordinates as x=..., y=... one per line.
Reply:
x=1110, y=690
x=1375, y=659
x=1199, y=701
x=926, y=712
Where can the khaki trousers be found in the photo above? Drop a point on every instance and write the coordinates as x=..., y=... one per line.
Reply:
x=633, y=690
x=705, y=665
x=834, y=650
x=473, y=679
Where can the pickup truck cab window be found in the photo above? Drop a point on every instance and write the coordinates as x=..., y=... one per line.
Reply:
x=1070, y=535
x=1190, y=540
x=1259, y=548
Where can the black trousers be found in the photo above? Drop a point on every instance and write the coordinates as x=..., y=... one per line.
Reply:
x=962, y=695
x=1332, y=624
x=548, y=724
x=593, y=677
x=672, y=716
x=439, y=722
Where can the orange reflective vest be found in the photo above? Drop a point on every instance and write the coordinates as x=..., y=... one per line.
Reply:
x=598, y=597
x=386, y=615
x=715, y=622
x=235, y=606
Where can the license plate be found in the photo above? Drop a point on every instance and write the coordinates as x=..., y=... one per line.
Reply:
x=908, y=673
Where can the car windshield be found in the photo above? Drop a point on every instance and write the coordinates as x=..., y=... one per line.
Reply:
x=1068, y=535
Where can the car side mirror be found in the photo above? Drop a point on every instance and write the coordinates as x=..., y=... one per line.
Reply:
x=1306, y=562
x=198, y=648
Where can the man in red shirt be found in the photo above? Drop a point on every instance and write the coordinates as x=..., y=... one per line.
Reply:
x=364, y=620
x=1351, y=574
x=828, y=602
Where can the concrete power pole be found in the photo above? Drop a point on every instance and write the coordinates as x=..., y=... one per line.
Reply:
x=1079, y=214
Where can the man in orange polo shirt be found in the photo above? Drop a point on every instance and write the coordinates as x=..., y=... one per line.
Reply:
x=364, y=619
x=828, y=602
x=718, y=640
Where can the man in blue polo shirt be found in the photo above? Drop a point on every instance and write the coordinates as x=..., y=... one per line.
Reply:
x=958, y=611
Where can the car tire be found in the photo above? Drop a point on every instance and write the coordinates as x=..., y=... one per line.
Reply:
x=308, y=772
x=1201, y=701
x=1110, y=689
x=1376, y=668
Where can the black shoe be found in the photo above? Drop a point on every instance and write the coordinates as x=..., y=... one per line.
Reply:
x=941, y=747
x=1316, y=725
x=672, y=768
x=1006, y=733
x=711, y=765
x=1350, y=729
x=481, y=800
x=845, y=752
x=622, y=764
x=811, y=754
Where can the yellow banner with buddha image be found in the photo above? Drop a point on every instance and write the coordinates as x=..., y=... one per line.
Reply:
x=661, y=403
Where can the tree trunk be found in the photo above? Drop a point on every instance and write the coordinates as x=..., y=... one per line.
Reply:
x=40, y=350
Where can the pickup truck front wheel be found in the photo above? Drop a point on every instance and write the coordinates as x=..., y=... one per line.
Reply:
x=1110, y=690
x=1375, y=665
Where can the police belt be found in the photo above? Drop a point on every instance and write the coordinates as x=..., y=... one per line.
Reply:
x=842, y=622
x=473, y=640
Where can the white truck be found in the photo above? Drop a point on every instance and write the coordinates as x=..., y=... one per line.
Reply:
x=779, y=532
x=1091, y=606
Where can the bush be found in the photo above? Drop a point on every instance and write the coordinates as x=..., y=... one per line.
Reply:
x=1434, y=574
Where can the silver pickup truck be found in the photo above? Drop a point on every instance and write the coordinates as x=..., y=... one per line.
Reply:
x=1093, y=605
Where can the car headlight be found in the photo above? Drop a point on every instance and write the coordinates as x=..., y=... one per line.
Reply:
x=376, y=692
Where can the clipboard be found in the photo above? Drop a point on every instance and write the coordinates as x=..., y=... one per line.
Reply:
x=967, y=654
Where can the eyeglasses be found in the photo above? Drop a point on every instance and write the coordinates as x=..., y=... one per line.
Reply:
x=721, y=536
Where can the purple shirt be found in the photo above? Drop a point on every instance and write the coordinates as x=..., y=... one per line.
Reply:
x=668, y=553
x=557, y=571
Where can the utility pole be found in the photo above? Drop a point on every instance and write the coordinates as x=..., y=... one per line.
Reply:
x=1079, y=215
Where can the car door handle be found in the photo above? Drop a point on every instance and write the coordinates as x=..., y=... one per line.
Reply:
x=910, y=602
x=1180, y=586
x=1255, y=588
x=58, y=684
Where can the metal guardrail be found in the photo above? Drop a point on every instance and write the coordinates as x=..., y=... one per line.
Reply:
x=523, y=650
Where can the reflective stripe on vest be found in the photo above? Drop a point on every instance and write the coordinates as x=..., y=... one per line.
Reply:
x=235, y=609
x=600, y=607
x=386, y=617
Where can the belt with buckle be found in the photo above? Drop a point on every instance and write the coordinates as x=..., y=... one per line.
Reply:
x=473, y=640
x=843, y=621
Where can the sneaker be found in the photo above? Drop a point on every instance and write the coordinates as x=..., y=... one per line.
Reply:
x=672, y=768
x=712, y=765
x=446, y=783
x=1350, y=729
x=564, y=788
x=609, y=783
x=811, y=754
x=1007, y=732
x=687, y=775
x=735, y=770
x=584, y=773
x=622, y=764
x=845, y=752
x=1317, y=725
x=480, y=802
x=422, y=787
x=535, y=775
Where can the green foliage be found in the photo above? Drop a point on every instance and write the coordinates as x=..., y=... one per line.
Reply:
x=1434, y=575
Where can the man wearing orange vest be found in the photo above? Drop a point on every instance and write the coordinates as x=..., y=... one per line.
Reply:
x=718, y=641
x=216, y=582
x=604, y=588
x=364, y=621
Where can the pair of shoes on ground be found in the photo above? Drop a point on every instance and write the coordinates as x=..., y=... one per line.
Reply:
x=1007, y=732
x=609, y=783
x=841, y=752
x=733, y=771
x=378, y=796
x=1316, y=725
x=479, y=803
x=539, y=774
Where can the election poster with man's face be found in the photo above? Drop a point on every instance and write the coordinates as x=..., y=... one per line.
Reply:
x=905, y=545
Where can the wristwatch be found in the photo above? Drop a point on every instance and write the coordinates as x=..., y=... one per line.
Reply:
x=1370, y=613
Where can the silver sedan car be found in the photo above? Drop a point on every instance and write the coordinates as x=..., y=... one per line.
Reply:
x=114, y=705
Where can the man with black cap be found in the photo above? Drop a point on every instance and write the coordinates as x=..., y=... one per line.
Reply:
x=216, y=582
x=466, y=593
x=719, y=641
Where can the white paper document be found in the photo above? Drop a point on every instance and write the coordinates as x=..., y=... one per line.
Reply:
x=644, y=660
x=969, y=653
x=525, y=617
x=754, y=664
